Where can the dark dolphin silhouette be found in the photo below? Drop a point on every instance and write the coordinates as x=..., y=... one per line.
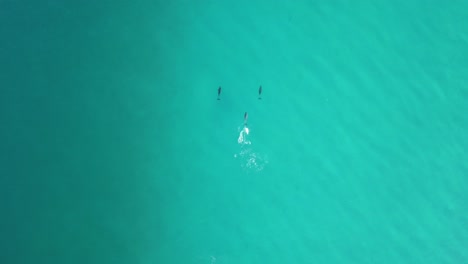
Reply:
x=219, y=92
x=260, y=92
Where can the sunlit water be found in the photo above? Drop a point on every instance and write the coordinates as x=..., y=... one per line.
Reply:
x=115, y=148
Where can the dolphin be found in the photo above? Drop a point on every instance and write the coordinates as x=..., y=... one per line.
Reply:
x=260, y=92
x=219, y=92
x=246, y=116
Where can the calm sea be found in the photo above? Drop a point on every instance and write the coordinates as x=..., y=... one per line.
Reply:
x=114, y=148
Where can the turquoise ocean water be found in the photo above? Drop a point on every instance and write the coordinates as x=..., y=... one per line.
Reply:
x=115, y=150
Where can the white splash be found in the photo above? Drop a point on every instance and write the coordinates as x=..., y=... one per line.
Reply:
x=243, y=136
x=247, y=157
